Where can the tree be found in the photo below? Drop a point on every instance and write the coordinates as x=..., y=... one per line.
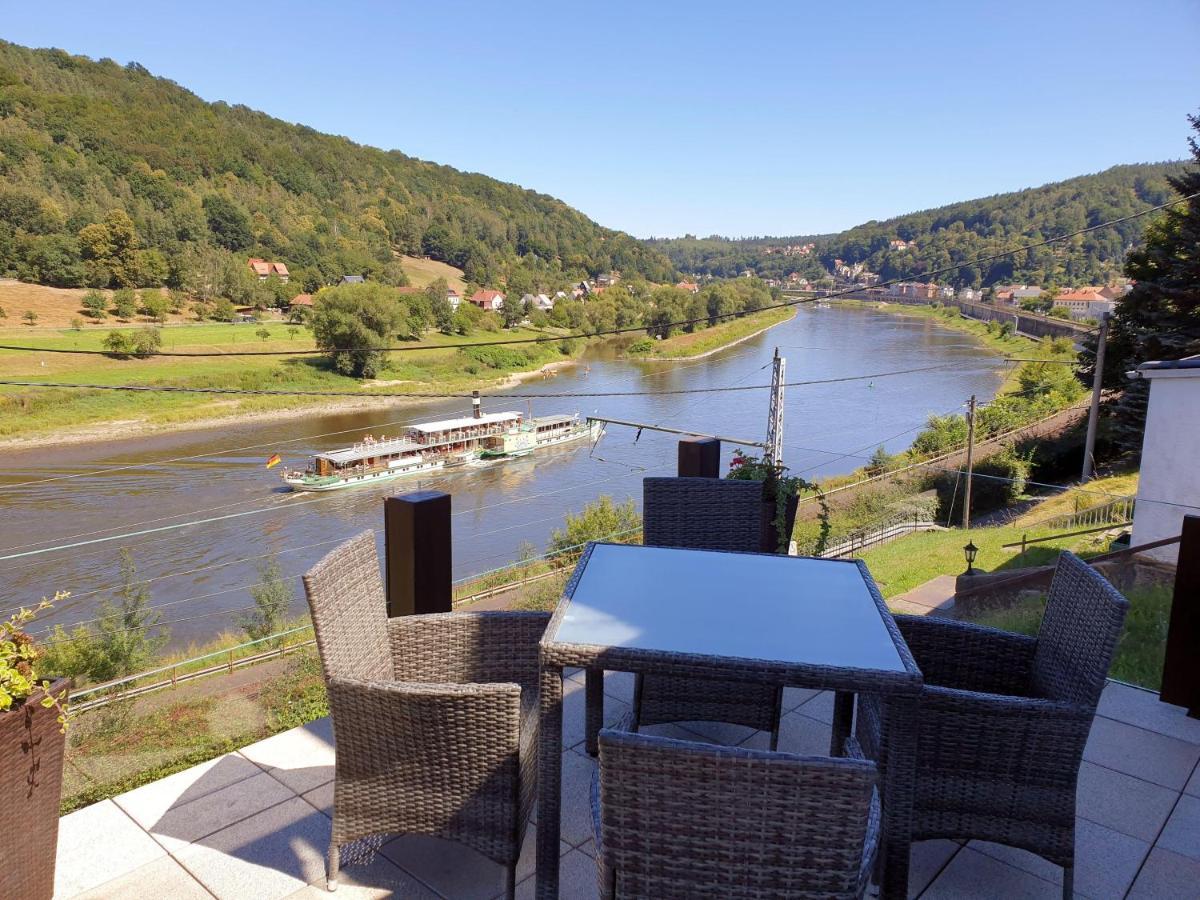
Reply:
x=146, y=341
x=124, y=644
x=125, y=302
x=264, y=334
x=273, y=597
x=880, y=461
x=513, y=311
x=96, y=304
x=228, y=223
x=600, y=519
x=436, y=295
x=1159, y=319
x=118, y=344
x=110, y=251
x=30, y=317
x=352, y=321
x=292, y=332
x=155, y=305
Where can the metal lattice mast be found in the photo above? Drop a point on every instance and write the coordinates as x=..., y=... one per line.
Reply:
x=774, y=451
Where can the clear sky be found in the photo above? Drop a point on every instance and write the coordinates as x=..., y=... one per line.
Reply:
x=662, y=118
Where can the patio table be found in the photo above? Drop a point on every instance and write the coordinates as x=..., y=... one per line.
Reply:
x=754, y=617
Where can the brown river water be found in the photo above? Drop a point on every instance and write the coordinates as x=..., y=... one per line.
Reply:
x=65, y=534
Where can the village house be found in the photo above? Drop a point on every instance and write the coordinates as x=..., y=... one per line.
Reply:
x=352, y=279
x=264, y=269
x=607, y=279
x=301, y=301
x=690, y=286
x=454, y=298
x=968, y=294
x=898, y=244
x=542, y=302
x=1084, y=303
x=492, y=301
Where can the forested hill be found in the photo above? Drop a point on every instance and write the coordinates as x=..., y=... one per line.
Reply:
x=967, y=230
x=80, y=139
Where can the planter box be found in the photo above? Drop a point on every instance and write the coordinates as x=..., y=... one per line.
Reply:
x=31, y=764
x=769, y=539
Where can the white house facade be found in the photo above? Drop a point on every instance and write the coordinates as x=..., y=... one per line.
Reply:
x=1169, y=485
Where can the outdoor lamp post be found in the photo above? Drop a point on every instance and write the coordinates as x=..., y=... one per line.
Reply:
x=969, y=552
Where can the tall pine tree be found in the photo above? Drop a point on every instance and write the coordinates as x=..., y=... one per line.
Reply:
x=1160, y=317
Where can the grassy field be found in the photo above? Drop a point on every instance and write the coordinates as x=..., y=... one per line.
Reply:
x=55, y=308
x=31, y=412
x=421, y=272
x=685, y=346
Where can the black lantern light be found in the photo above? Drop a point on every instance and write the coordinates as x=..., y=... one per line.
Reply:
x=970, y=552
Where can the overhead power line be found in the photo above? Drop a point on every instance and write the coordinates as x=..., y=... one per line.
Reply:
x=176, y=389
x=953, y=267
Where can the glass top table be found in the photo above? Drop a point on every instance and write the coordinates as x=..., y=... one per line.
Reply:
x=752, y=617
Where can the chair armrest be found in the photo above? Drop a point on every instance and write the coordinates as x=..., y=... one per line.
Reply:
x=379, y=726
x=1000, y=735
x=971, y=657
x=468, y=647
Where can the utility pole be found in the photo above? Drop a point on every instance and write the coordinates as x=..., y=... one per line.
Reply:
x=774, y=448
x=970, y=460
x=1089, y=445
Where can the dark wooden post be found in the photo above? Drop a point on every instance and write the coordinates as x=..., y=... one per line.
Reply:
x=417, y=541
x=699, y=457
x=1181, y=665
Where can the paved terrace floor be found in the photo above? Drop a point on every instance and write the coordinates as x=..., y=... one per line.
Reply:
x=255, y=824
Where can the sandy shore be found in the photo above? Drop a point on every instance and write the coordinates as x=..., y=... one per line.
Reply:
x=123, y=429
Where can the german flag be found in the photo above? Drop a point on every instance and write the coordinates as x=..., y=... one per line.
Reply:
x=275, y=460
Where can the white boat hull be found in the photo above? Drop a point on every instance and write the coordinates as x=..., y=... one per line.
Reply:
x=304, y=482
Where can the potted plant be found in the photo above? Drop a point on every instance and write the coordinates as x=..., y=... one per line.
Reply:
x=32, y=725
x=781, y=496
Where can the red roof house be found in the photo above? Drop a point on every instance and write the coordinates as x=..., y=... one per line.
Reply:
x=264, y=269
x=488, y=299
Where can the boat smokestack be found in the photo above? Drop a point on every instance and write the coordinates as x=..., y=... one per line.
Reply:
x=476, y=410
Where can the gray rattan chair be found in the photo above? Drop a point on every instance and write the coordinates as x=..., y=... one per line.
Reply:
x=1004, y=718
x=705, y=514
x=677, y=819
x=434, y=716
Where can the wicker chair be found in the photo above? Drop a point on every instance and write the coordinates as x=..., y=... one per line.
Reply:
x=706, y=514
x=434, y=716
x=1004, y=718
x=692, y=820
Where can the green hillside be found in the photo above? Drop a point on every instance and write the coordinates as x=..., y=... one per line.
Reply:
x=80, y=139
x=966, y=230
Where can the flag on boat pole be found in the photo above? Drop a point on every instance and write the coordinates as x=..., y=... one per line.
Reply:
x=275, y=460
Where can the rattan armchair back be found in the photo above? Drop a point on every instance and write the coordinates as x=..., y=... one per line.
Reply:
x=702, y=513
x=682, y=819
x=1078, y=635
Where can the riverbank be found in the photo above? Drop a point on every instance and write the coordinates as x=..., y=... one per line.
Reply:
x=698, y=344
x=32, y=417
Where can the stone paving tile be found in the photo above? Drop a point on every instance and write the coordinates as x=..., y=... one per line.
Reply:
x=1144, y=754
x=378, y=879
x=819, y=706
x=794, y=696
x=454, y=870
x=972, y=874
x=268, y=856
x=150, y=802
x=576, y=879
x=1137, y=706
x=1193, y=785
x=98, y=844
x=1122, y=802
x=322, y=798
x=927, y=859
x=1166, y=874
x=1182, y=832
x=180, y=824
x=798, y=733
x=713, y=732
x=301, y=758
x=163, y=878
x=1106, y=861
x=575, y=712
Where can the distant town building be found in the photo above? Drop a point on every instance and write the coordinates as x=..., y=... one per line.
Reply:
x=1085, y=303
x=1168, y=454
x=264, y=269
x=968, y=294
x=489, y=300
x=898, y=244
x=454, y=298
x=352, y=279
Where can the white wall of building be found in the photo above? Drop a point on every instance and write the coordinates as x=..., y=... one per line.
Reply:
x=1170, y=458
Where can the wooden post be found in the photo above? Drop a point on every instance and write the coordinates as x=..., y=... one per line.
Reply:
x=966, y=519
x=1181, y=665
x=1089, y=445
x=699, y=457
x=417, y=548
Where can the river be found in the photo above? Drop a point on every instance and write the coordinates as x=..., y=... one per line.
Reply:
x=199, y=574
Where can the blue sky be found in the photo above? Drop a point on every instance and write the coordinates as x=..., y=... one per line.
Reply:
x=664, y=118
